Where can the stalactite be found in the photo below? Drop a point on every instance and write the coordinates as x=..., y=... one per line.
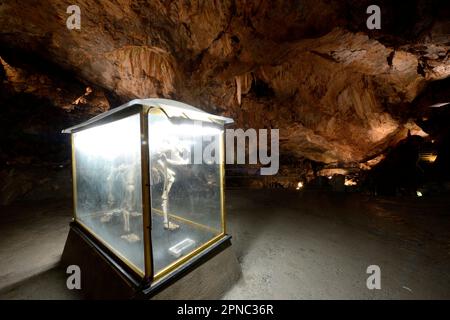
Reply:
x=243, y=85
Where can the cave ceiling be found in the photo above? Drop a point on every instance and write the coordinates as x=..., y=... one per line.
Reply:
x=339, y=93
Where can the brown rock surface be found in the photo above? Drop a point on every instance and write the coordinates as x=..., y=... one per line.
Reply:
x=338, y=92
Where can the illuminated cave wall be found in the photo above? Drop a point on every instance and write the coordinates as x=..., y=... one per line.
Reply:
x=339, y=93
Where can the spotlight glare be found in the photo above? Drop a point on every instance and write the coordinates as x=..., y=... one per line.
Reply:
x=438, y=105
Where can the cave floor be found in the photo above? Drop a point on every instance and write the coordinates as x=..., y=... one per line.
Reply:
x=291, y=245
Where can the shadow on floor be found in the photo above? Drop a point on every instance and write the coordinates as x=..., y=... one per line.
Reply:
x=48, y=285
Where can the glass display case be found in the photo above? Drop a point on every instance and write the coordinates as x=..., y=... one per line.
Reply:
x=148, y=181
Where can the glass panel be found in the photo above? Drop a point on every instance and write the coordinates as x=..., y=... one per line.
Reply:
x=185, y=189
x=108, y=186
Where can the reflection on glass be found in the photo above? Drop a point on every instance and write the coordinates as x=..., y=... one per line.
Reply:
x=185, y=186
x=108, y=188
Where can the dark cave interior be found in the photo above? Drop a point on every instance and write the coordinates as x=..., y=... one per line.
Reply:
x=43, y=92
x=360, y=112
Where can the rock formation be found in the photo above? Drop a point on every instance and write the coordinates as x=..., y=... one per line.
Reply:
x=338, y=92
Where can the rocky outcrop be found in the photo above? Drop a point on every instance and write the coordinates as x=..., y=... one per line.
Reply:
x=339, y=93
x=35, y=105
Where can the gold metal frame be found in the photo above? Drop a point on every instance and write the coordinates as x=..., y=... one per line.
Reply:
x=126, y=261
x=222, y=182
x=146, y=201
x=74, y=179
x=174, y=265
x=130, y=264
x=195, y=224
x=148, y=273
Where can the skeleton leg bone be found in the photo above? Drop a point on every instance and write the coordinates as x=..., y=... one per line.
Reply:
x=169, y=179
x=126, y=220
x=126, y=213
